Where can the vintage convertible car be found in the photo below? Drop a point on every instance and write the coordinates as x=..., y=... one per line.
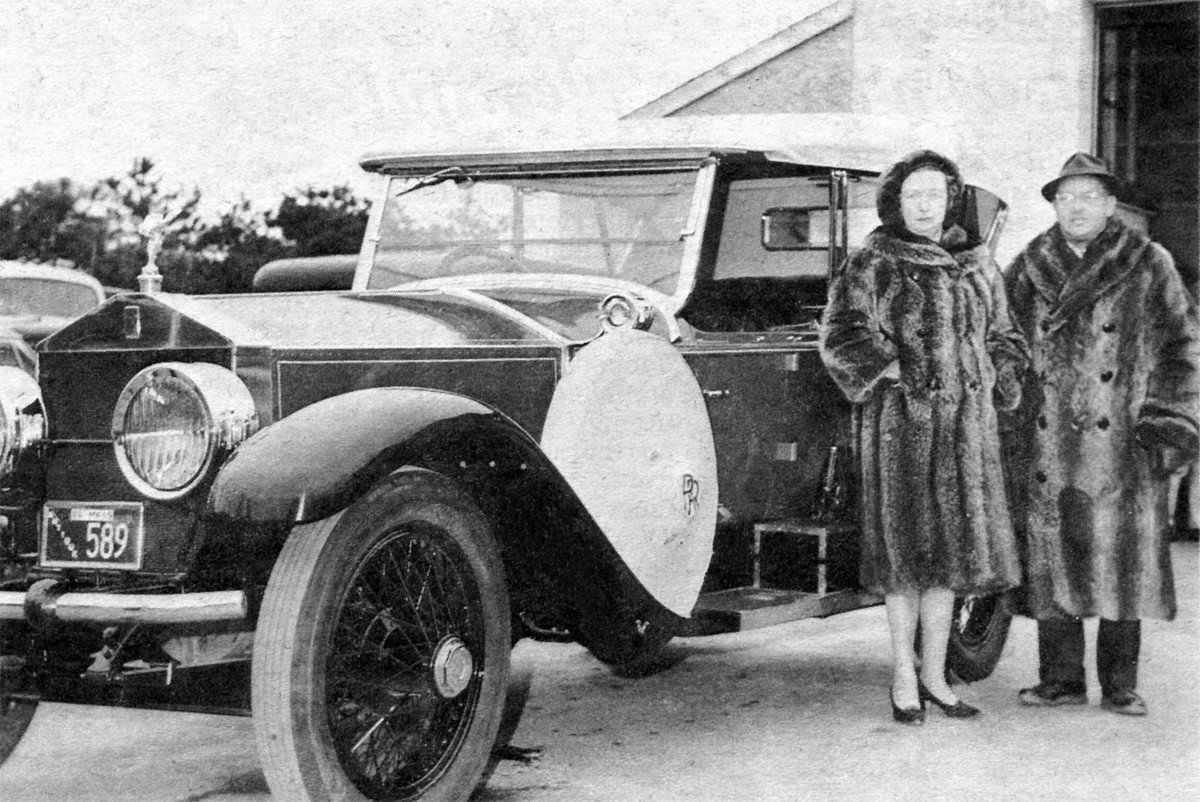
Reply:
x=564, y=392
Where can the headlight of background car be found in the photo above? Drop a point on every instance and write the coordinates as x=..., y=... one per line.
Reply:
x=174, y=421
x=22, y=416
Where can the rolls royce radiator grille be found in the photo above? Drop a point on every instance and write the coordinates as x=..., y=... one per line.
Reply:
x=81, y=388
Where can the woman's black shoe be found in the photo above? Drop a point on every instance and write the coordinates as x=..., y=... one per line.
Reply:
x=906, y=715
x=959, y=709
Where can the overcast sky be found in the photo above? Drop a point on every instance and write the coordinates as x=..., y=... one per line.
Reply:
x=261, y=97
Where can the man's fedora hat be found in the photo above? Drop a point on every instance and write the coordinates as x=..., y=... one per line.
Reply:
x=1083, y=164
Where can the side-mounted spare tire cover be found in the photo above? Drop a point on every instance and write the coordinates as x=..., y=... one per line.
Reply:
x=629, y=431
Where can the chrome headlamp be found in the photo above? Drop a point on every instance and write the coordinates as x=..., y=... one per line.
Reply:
x=174, y=421
x=22, y=416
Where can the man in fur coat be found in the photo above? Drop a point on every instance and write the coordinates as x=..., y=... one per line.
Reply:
x=1109, y=414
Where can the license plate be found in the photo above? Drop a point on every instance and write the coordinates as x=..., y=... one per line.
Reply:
x=92, y=534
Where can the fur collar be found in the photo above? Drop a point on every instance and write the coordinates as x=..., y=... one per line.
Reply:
x=956, y=253
x=1115, y=253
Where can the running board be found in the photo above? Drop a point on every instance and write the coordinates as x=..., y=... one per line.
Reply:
x=743, y=608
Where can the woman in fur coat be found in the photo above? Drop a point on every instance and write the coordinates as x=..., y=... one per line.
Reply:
x=917, y=332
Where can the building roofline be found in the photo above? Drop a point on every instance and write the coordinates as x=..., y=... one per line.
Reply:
x=794, y=35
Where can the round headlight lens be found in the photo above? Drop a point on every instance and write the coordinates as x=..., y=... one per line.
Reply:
x=165, y=434
x=174, y=420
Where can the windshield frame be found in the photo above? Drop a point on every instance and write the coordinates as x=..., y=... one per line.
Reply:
x=691, y=234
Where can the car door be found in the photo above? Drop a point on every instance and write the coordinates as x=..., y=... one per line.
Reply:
x=775, y=416
x=775, y=412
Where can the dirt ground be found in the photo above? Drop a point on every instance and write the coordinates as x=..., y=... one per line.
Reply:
x=794, y=712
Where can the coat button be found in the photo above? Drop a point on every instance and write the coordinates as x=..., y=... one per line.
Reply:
x=1042, y=422
x=1106, y=376
x=1045, y=325
x=1040, y=476
x=1102, y=424
x=1109, y=328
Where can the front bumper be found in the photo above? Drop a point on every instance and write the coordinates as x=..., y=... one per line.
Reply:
x=45, y=603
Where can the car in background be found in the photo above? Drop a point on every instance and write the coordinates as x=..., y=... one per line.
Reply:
x=16, y=353
x=37, y=300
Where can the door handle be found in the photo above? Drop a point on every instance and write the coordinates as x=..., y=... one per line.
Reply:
x=715, y=394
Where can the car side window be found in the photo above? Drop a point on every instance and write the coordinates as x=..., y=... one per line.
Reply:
x=758, y=283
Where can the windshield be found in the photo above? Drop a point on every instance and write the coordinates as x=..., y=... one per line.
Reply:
x=618, y=226
x=45, y=297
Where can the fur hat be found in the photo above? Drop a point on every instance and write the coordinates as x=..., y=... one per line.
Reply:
x=887, y=201
x=1083, y=164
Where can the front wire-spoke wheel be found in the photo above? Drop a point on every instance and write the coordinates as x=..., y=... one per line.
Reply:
x=382, y=652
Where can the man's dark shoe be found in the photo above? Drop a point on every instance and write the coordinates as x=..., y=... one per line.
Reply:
x=1126, y=702
x=1052, y=694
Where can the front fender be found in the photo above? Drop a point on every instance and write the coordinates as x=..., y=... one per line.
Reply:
x=560, y=565
x=314, y=462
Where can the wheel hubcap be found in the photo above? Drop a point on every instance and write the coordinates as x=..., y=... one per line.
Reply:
x=452, y=666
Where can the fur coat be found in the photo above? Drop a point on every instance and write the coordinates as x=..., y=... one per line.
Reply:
x=1113, y=339
x=934, y=509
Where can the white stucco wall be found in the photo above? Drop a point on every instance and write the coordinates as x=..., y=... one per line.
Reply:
x=1010, y=79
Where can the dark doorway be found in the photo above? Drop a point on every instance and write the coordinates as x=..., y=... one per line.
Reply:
x=1149, y=117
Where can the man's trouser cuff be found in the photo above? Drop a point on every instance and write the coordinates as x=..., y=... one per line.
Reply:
x=1061, y=653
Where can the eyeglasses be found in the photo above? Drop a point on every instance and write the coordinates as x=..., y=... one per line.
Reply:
x=924, y=194
x=1083, y=197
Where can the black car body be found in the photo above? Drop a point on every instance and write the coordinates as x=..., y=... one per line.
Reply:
x=562, y=392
